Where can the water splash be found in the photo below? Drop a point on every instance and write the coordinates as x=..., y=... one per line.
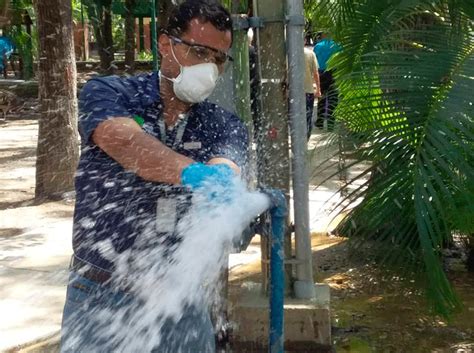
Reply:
x=165, y=282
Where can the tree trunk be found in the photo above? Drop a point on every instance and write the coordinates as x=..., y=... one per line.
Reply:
x=108, y=44
x=129, y=36
x=100, y=15
x=164, y=8
x=58, y=149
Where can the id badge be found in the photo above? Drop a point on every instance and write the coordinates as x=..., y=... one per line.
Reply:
x=166, y=215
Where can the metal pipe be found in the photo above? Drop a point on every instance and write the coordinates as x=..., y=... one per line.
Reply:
x=153, y=36
x=272, y=135
x=277, y=273
x=304, y=286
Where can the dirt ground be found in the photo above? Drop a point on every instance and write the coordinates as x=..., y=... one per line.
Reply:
x=373, y=312
x=370, y=311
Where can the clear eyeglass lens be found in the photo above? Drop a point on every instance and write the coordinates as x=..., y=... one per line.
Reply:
x=201, y=53
x=205, y=54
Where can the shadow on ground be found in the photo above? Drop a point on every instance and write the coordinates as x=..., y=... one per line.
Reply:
x=373, y=311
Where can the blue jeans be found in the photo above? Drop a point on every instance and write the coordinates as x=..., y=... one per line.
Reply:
x=85, y=329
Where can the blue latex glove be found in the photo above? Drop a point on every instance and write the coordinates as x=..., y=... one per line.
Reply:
x=198, y=176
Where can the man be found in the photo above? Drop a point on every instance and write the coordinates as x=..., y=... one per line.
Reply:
x=324, y=49
x=311, y=83
x=146, y=140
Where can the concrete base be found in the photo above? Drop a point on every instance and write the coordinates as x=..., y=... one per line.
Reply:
x=307, y=322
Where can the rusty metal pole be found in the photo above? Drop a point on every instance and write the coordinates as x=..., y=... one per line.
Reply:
x=272, y=135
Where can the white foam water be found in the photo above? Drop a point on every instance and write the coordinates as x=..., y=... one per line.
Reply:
x=165, y=283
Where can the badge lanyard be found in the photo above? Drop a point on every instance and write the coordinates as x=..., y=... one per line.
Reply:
x=179, y=132
x=167, y=208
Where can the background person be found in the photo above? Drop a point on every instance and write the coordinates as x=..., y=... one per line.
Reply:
x=6, y=50
x=311, y=83
x=324, y=49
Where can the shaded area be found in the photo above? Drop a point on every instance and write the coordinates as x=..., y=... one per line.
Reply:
x=14, y=204
x=15, y=154
x=375, y=312
x=10, y=232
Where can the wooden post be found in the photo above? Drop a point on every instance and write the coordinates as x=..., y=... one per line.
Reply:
x=130, y=36
x=154, y=47
x=85, y=40
x=28, y=72
x=272, y=137
x=141, y=32
x=100, y=17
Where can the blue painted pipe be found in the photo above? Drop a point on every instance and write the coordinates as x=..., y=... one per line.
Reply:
x=278, y=214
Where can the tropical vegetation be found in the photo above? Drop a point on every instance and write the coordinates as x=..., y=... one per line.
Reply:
x=405, y=79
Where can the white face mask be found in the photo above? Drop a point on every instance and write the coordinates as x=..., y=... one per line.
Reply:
x=194, y=83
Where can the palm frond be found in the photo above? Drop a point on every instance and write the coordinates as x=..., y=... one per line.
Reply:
x=405, y=78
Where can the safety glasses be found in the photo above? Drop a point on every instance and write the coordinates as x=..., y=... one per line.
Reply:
x=203, y=52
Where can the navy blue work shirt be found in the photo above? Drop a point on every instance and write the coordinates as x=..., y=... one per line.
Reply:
x=113, y=205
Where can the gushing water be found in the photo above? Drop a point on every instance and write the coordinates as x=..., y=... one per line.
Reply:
x=164, y=282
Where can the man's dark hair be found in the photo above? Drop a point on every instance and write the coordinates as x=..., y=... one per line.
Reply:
x=205, y=10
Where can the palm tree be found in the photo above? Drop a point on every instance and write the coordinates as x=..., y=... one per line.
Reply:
x=405, y=78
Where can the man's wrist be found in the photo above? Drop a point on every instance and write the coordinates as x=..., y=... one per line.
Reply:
x=184, y=167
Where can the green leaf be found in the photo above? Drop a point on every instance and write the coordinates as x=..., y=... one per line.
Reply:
x=405, y=79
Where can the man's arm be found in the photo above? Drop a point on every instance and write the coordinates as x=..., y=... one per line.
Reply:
x=317, y=91
x=125, y=141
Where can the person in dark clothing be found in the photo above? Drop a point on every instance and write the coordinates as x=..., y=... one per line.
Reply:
x=324, y=49
x=311, y=84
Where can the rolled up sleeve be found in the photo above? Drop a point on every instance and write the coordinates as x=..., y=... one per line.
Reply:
x=97, y=103
x=108, y=97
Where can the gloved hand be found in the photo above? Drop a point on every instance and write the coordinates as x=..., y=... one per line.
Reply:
x=212, y=179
